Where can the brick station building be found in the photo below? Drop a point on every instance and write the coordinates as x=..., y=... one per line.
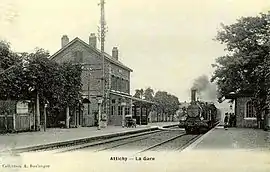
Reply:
x=117, y=82
x=244, y=109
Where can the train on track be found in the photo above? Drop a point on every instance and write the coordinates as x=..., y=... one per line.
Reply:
x=199, y=116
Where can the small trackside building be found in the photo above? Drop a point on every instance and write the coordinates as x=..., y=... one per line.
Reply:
x=244, y=109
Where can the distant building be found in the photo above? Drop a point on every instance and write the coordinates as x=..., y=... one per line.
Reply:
x=117, y=81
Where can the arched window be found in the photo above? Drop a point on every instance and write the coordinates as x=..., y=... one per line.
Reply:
x=250, y=111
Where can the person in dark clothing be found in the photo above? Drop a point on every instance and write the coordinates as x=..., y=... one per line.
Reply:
x=230, y=119
x=226, y=120
x=96, y=118
x=234, y=120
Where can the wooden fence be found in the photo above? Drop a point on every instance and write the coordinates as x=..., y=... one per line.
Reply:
x=15, y=122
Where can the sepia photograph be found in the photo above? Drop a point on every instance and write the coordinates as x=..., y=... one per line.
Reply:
x=134, y=85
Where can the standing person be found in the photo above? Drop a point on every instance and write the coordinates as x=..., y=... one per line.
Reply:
x=226, y=120
x=230, y=119
x=96, y=118
x=234, y=120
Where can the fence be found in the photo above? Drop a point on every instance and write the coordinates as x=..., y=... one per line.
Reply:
x=15, y=122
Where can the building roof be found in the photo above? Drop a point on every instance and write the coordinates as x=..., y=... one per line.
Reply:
x=236, y=95
x=107, y=56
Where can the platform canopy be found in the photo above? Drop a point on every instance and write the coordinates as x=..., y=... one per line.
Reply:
x=240, y=94
x=134, y=99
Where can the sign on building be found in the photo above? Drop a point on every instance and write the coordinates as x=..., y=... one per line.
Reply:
x=22, y=107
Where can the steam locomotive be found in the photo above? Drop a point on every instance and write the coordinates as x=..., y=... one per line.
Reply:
x=200, y=116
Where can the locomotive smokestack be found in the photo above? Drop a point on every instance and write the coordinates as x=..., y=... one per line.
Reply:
x=193, y=95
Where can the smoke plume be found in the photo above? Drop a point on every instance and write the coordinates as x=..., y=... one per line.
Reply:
x=206, y=91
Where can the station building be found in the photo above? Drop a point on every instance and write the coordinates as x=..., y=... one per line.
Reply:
x=244, y=109
x=117, y=83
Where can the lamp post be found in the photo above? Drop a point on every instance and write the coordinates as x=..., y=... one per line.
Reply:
x=99, y=112
x=123, y=104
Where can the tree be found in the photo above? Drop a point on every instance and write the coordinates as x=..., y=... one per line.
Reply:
x=245, y=67
x=34, y=76
x=139, y=93
x=7, y=57
x=10, y=71
x=59, y=84
x=168, y=103
x=149, y=94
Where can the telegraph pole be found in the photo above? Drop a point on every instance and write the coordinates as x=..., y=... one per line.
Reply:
x=102, y=42
x=102, y=31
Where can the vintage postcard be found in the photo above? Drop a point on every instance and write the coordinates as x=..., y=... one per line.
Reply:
x=134, y=85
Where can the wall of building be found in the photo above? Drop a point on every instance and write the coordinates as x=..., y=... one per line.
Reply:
x=91, y=76
x=240, y=111
x=91, y=80
x=115, y=116
x=120, y=79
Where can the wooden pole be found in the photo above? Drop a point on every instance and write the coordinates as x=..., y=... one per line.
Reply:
x=67, y=117
x=37, y=114
x=45, y=118
x=14, y=122
x=141, y=115
x=130, y=110
x=123, y=115
x=78, y=116
x=99, y=115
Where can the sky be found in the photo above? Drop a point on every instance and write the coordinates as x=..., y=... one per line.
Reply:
x=168, y=44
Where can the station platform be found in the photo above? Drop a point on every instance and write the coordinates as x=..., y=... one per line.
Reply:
x=57, y=135
x=234, y=150
x=233, y=138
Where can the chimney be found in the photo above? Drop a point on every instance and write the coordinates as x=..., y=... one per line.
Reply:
x=93, y=40
x=64, y=40
x=115, y=53
x=193, y=95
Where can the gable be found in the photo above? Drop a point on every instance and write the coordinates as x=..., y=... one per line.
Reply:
x=78, y=45
x=77, y=52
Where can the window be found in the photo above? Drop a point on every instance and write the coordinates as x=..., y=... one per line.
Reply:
x=119, y=110
x=114, y=86
x=112, y=110
x=126, y=110
x=250, y=110
x=122, y=88
x=128, y=87
x=78, y=56
x=118, y=81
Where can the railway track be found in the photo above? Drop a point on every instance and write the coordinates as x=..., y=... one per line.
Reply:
x=165, y=139
x=114, y=143
x=177, y=143
x=84, y=143
x=158, y=140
